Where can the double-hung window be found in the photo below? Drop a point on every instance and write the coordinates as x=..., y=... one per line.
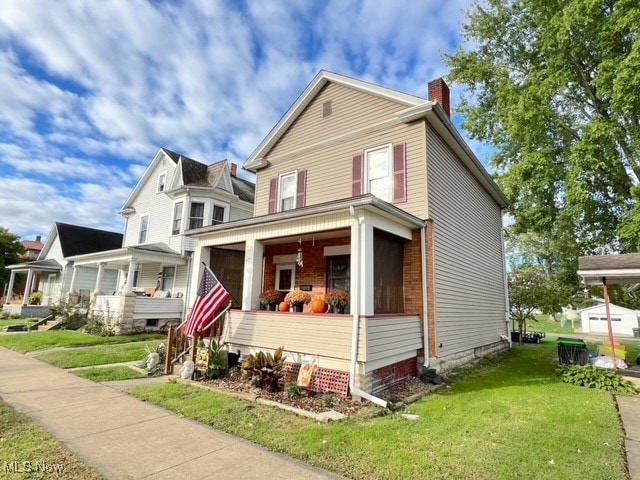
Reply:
x=177, y=218
x=379, y=173
x=196, y=215
x=287, y=191
x=162, y=180
x=218, y=215
x=144, y=229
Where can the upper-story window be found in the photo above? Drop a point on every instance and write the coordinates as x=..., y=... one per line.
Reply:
x=379, y=173
x=218, y=215
x=162, y=181
x=177, y=218
x=196, y=215
x=144, y=228
x=287, y=191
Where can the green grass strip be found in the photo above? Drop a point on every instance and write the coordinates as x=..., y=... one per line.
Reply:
x=109, y=374
x=509, y=417
x=29, y=342
x=98, y=355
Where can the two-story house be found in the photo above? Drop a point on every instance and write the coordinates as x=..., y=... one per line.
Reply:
x=175, y=194
x=366, y=188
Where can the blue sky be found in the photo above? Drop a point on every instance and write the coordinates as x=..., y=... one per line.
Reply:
x=89, y=91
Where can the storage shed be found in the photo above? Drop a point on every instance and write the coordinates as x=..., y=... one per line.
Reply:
x=594, y=319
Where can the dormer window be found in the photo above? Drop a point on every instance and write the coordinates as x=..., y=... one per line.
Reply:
x=162, y=181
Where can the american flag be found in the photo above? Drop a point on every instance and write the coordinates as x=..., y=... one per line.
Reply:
x=211, y=296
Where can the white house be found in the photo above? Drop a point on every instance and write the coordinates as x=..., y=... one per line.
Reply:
x=594, y=320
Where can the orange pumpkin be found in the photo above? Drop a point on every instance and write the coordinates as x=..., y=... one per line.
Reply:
x=319, y=306
x=283, y=307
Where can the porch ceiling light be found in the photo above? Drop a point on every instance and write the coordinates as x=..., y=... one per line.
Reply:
x=299, y=261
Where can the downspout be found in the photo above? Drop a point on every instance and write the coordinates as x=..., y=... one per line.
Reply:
x=507, y=307
x=355, y=311
x=425, y=306
x=187, y=288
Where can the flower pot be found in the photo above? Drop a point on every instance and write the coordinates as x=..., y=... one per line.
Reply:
x=297, y=307
x=271, y=307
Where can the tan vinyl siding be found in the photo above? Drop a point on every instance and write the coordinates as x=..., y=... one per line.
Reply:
x=329, y=169
x=391, y=336
x=323, y=335
x=351, y=110
x=470, y=304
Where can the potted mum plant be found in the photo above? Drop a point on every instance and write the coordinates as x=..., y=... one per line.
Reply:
x=297, y=298
x=338, y=300
x=270, y=299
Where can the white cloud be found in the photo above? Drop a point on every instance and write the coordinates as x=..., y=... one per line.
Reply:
x=89, y=91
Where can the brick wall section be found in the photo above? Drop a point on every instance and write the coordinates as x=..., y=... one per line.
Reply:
x=412, y=276
x=386, y=377
x=431, y=289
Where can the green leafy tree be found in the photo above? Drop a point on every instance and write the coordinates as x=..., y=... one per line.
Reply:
x=554, y=86
x=10, y=253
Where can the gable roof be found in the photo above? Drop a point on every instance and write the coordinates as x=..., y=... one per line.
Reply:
x=323, y=77
x=619, y=268
x=76, y=240
x=416, y=107
x=601, y=306
x=32, y=244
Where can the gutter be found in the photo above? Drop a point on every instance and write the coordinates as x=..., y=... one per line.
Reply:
x=425, y=305
x=355, y=310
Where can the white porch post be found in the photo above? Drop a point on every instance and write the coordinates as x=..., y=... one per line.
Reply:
x=98, y=288
x=74, y=280
x=131, y=272
x=367, y=287
x=252, y=274
x=27, y=288
x=12, y=279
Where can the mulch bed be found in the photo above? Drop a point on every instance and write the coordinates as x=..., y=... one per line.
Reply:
x=317, y=402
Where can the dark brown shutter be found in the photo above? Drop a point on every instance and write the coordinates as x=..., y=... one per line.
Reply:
x=399, y=173
x=273, y=195
x=356, y=186
x=301, y=192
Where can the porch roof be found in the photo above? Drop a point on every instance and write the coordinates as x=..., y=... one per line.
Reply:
x=366, y=202
x=615, y=268
x=147, y=253
x=48, y=265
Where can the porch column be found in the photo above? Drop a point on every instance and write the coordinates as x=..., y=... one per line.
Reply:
x=367, y=287
x=98, y=289
x=131, y=272
x=74, y=280
x=27, y=287
x=12, y=279
x=252, y=283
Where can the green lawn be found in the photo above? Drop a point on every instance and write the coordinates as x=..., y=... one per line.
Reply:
x=98, y=355
x=509, y=417
x=28, y=342
x=109, y=374
x=23, y=441
x=543, y=323
x=14, y=321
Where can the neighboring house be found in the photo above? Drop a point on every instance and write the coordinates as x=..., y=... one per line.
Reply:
x=32, y=248
x=373, y=190
x=175, y=194
x=54, y=272
x=594, y=320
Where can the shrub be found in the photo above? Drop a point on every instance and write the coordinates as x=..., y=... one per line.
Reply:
x=593, y=377
x=71, y=317
x=293, y=390
x=36, y=298
x=327, y=400
x=218, y=364
x=97, y=326
x=264, y=370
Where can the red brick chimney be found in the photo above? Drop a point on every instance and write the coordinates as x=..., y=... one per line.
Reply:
x=234, y=169
x=439, y=92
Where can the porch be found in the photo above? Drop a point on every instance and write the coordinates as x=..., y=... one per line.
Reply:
x=130, y=313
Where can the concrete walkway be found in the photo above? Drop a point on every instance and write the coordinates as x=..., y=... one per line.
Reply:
x=124, y=438
x=629, y=408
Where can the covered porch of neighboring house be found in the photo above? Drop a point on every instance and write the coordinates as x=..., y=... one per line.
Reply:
x=152, y=284
x=26, y=306
x=608, y=270
x=371, y=249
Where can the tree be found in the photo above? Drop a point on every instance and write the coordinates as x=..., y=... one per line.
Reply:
x=529, y=291
x=555, y=87
x=10, y=251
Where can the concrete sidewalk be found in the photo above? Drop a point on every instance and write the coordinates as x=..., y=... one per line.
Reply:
x=122, y=437
x=629, y=408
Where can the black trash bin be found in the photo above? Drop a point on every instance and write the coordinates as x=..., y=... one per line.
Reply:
x=636, y=332
x=572, y=351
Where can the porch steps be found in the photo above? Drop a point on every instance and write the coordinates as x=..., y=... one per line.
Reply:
x=48, y=323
